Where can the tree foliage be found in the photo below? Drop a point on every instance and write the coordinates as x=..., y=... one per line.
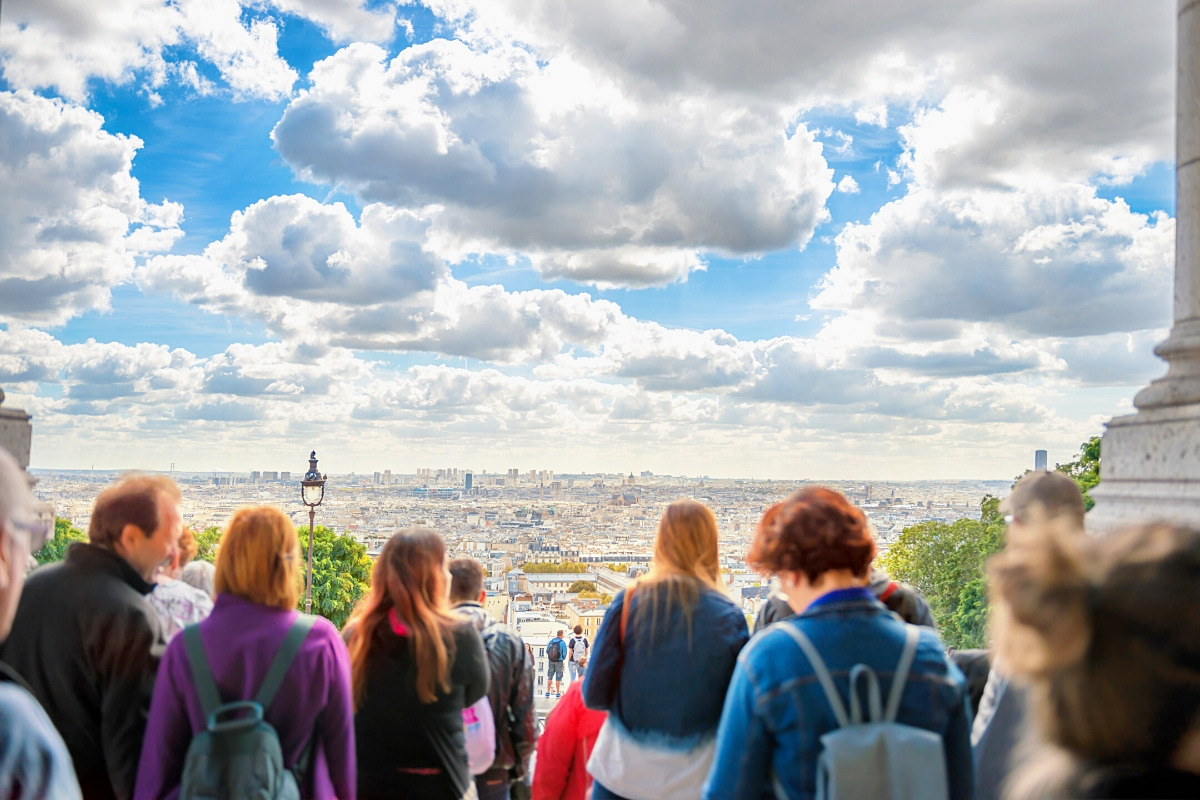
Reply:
x=946, y=563
x=207, y=541
x=604, y=597
x=581, y=586
x=341, y=573
x=562, y=566
x=622, y=568
x=65, y=534
x=1085, y=469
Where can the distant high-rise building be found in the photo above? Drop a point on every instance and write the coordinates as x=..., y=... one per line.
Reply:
x=270, y=476
x=377, y=477
x=256, y=477
x=1039, y=460
x=285, y=476
x=387, y=477
x=467, y=479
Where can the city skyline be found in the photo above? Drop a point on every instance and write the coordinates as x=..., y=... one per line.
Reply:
x=853, y=240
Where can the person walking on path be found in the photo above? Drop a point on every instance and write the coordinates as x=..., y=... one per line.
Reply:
x=673, y=628
x=511, y=685
x=88, y=642
x=778, y=707
x=177, y=603
x=257, y=583
x=34, y=762
x=577, y=648
x=556, y=657
x=416, y=666
x=565, y=747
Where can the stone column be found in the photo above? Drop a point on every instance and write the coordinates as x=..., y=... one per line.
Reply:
x=1150, y=461
x=16, y=432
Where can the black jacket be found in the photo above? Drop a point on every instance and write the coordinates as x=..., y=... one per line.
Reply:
x=511, y=691
x=901, y=598
x=405, y=747
x=88, y=643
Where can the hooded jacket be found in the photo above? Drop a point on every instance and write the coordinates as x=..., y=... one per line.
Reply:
x=88, y=643
x=510, y=692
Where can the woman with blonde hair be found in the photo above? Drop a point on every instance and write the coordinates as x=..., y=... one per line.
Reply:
x=1105, y=633
x=254, y=618
x=416, y=665
x=661, y=663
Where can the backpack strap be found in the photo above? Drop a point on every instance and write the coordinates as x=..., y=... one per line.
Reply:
x=202, y=677
x=822, y=672
x=911, y=635
x=283, y=660
x=889, y=591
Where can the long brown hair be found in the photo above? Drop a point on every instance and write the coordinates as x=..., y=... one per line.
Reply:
x=410, y=577
x=685, y=560
x=1106, y=633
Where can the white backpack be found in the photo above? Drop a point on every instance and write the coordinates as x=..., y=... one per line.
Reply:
x=480, y=728
x=878, y=758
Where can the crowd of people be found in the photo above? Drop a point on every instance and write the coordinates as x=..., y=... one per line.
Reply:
x=131, y=671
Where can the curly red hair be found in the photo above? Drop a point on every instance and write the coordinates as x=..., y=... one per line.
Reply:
x=813, y=531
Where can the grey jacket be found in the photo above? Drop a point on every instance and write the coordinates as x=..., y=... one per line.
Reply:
x=511, y=691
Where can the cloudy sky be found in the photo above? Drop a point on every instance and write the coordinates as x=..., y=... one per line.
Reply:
x=853, y=238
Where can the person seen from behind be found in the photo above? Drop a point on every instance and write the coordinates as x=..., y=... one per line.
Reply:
x=510, y=687
x=577, y=648
x=663, y=657
x=416, y=666
x=1105, y=634
x=904, y=600
x=88, y=642
x=1038, y=500
x=258, y=586
x=556, y=656
x=565, y=746
x=34, y=762
x=778, y=708
x=177, y=603
x=200, y=575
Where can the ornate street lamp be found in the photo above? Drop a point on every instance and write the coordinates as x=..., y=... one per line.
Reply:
x=312, y=492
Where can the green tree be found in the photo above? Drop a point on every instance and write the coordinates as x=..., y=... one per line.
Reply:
x=581, y=586
x=622, y=568
x=65, y=534
x=207, y=541
x=1085, y=469
x=946, y=563
x=341, y=573
x=604, y=597
x=563, y=566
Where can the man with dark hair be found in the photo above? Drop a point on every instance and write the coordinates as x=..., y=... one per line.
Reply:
x=1039, y=498
x=511, y=690
x=34, y=762
x=88, y=642
x=900, y=598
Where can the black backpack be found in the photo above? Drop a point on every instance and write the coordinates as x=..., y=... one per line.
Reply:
x=554, y=649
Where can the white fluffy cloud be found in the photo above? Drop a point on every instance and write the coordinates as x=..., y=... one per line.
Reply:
x=73, y=219
x=509, y=155
x=65, y=44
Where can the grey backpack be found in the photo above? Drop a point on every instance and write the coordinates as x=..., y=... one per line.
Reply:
x=238, y=755
x=876, y=759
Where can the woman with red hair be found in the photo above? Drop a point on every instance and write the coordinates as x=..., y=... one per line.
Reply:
x=780, y=701
x=415, y=666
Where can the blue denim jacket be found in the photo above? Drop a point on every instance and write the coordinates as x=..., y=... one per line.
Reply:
x=776, y=712
x=672, y=680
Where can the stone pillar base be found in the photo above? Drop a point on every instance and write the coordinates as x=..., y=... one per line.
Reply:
x=1149, y=469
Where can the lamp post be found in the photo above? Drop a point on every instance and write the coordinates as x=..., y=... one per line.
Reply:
x=312, y=492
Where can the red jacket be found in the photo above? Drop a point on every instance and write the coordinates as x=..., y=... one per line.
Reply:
x=563, y=750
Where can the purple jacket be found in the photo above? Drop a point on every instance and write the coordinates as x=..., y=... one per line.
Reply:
x=240, y=639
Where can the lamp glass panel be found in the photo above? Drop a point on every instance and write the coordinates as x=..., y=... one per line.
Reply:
x=312, y=494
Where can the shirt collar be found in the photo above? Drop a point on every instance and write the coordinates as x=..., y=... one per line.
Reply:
x=93, y=556
x=842, y=596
